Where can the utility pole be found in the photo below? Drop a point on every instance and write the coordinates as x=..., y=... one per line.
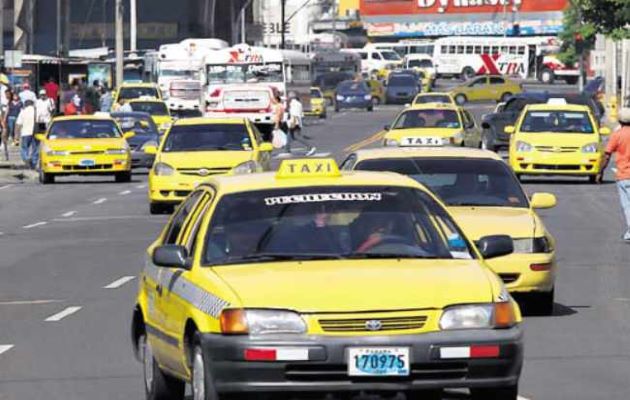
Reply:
x=133, y=25
x=334, y=18
x=1, y=26
x=59, y=43
x=119, y=41
x=283, y=9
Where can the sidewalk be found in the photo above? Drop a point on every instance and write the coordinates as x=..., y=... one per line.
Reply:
x=14, y=170
x=15, y=161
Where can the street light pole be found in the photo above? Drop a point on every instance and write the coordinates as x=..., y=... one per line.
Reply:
x=133, y=25
x=283, y=5
x=119, y=41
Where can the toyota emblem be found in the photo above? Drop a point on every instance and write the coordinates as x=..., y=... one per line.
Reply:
x=203, y=172
x=373, y=325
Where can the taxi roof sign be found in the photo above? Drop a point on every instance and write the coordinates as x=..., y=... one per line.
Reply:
x=557, y=101
x=308, y=168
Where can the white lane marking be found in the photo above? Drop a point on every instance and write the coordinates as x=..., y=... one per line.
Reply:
x=124, y=192
x=141, y=186
x=5, y=187
x=68, y=214
x=522, y=398
x=119, y=282
x=28, y=302
x=100, y=201
x=5, y=347
x=1, y=233
x=63, y=314
x=116, y=217
x=40, y=223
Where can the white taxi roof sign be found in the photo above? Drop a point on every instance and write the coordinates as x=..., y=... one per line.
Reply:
x=557, y=101
x=422, y=141
x=308, y=168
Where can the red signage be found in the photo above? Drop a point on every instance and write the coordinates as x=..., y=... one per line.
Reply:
x=406, y=7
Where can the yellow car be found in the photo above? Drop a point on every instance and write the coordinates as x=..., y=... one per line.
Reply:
x=128, y=91
x=433, y=124
x=156, y=108
x=485, y=198
x=84, y=145
x=378, y=91
x=434, y=97
x=486, y=87
x=318, y=103
x=556, y=139
x=269, y=282
x=195, y=148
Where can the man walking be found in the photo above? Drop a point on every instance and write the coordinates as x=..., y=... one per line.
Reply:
x=619, y=145
x=296, y=115
x=45, y=107
x=25, y=127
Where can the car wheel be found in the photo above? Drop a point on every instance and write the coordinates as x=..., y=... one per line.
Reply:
x=468, y=73
x=487, y=142
x=461, y=99
x=505, y=97
x=593, y=179
x=500, y=393
x=542, y=303
x=322, y=116
x=157, y=385
x=122, y=177
x=547, y=76
x=45, y=178
x=370, y=108
x=201, y=384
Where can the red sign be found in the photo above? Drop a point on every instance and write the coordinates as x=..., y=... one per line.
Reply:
x=406, y=7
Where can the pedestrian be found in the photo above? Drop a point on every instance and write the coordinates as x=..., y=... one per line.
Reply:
x=122, y=106
x=92, y=98
x=106, y=100
x=25, y=127
x=74, y=107
x=52, y=90
x=14, y=108
x=4, y=132
x=45, y=108
x=27, y=94
x=619, y=145
x=295, y=118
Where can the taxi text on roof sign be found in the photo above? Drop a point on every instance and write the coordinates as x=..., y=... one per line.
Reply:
x=305, y=168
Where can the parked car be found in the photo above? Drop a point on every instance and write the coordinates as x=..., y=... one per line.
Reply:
x=402, y=88
x=353, y=94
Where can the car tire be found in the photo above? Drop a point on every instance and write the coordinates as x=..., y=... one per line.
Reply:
x=547, y=76
x=487, y=141
x=159, y=208
x=123, y=177
x=461, y=99
x=593, y=179
x=45, y=178
x=505, y=96
x=542, y=303
x=158, y=385
x=200, y=379
x=322, y=116
x=370, y=108
x=498, y=393
x=468, y=73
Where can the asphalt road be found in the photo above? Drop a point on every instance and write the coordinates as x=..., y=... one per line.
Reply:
x=70, y=254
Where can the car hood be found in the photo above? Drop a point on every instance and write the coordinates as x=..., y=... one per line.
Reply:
x=437, y=132
x=353, y=285
x=484, y=221
x=205, y=159
x=85, y=144
x=558, y=139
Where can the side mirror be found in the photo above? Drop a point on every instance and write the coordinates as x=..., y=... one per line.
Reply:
x=543, y=200
x=171, y=256
x=40, y=136
x=150, y=150
x=509, y=129
x=604, y=130
x=387, y=127
x=495, y=246
x=129, y=134
x=266, y=146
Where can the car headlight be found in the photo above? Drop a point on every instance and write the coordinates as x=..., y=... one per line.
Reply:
x=368, y=97
x=163, y=169
x=261, y=322
x=116, y=151
x=248, y=167
x=590, y=148
x=479, y=316
x=150, y=143
x=340, y=98
x=523, y=146
x=532, y=245
x=391, y=143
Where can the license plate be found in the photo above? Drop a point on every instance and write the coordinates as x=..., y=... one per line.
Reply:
x=87, y=163
x=422, y=141
x=378, y=361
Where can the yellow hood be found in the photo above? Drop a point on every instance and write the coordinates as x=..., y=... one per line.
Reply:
x=85, y=144
x=558, y=139
x=483, y=221
x=429, y=132
x=358, y=285
x=206, y=159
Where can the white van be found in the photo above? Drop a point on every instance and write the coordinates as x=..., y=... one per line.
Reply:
x=420, y=61
x=374, y=59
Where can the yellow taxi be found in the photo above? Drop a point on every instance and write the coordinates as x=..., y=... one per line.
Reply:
x=486, y=87
x=378, y=91
x=434, y=97
x=485, y=198
x=318, y=103
x=194, y=149
x=158, y=110
x=433, y=124
x=267, y=282
x=128, y=91
x=84, y=145
x=557, y=139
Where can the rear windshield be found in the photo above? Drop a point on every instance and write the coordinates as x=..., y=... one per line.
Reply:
x=428, y=119
x=128, y=93
x=150, y=107
x=433, y=98
x=557, y=121
x=207, y=137
x=136, y=124
x=83, y=130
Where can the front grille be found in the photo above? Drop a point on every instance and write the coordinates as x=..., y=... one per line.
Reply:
x=87, y=168
x=339, y=372
x=554, y=167
x=509, y=278
x=360, y=324
x=195, y=171
x=86, y=152
x=551, y=149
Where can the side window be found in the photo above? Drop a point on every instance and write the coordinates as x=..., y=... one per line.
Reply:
x=376, y=56
x=363, y=56
x=349, y=163
x=478, y=82
x=191, y=241
x=496, y=80
x=177, y=222
x=515, y=105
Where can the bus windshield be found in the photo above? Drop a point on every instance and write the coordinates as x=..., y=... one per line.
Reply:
x=245, y=73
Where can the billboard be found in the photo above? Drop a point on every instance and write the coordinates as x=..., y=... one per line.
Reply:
x=417, y=18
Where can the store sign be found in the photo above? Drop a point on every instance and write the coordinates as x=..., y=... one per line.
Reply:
x=482, y=28
x=444, y=5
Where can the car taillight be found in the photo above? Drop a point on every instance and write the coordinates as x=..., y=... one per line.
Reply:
x=216, y=93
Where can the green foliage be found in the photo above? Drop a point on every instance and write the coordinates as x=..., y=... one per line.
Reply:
x=575, y=26
x=610, y=17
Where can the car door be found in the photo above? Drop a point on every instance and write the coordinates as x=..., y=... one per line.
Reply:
x=477, y=88
x=497, y=87
x=472, y=136
x=508, y=116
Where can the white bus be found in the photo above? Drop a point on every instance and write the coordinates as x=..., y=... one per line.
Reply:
x=409, y=46
x=524, y=57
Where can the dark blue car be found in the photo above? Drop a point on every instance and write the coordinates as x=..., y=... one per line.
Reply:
x=146, y=134
x=402, y=88
x=353, y=94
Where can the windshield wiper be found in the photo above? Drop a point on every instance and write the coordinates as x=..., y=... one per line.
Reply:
x=267, y=257
x=469, y=204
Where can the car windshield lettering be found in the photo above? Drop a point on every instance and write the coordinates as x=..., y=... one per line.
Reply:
x=433, y=118
x=557, y=122
x=207, y=137
x=331, y=223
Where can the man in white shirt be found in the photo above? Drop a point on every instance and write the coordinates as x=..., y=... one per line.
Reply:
x=25, y=128
x=44, y=107
x=27, y=94
x=296, y=115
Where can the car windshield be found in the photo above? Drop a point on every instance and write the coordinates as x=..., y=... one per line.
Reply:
x=128, y=93
x=207, y=137
x=352, y=87
x=433, y=118
x=179, y=73
x=83, y=129
x=316, y=94
x=139, y=125
x=459, y=182
x=150, y=107
x=402, y=81
x=433, y=98
x=390, y=55
x=331, y=222
x=557, y=122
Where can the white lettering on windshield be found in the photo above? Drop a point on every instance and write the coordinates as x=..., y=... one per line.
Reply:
x=321, y=197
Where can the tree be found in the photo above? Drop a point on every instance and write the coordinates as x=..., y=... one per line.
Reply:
x=610, y=17
x=577, y=35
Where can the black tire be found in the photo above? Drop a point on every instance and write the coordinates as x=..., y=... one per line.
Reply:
x=542, y=303
x=461, y=99
x=201, y=382
x=159, y=208
x=123, y=177
x=45, y=178
x=547, y=76
x=593, y=179
x=468, y=73
x=505, y=96
x=370, y=108
x=322, y=116
x=487, y=141
x=158, y=385
x=499, y=393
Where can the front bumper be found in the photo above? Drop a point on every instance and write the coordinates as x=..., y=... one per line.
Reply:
x=172, y=189
x=140, y=159
x=76, y=165
x=402, y=99
x=325, y=370
x=538, y=163
x=516, y=273
x=354, y=103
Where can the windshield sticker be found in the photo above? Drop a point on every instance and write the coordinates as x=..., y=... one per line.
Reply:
x=321, y=197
